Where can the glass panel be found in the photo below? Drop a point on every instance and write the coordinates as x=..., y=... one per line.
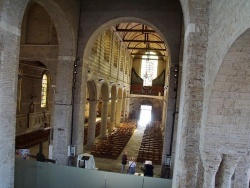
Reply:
x=30, y=174
x=115, y=180
x=87, y=178
x=157, y=182
x=149, y=66
x=25, y=177
x=44, y=91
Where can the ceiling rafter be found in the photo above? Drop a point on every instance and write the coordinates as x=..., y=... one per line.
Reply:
x=140, y=38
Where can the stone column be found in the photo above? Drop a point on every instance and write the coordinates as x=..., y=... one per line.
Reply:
x=242, y=173
x=9, y=53
x=125, y=113
x=228, y=166
x=211, y=163
x=79, y=107
x=104, y=118
x=123, y=109
x=91, y=124
x=62, y=118
x=118, y=111
x=191, y=104
x=112, y=115
x=127, y=106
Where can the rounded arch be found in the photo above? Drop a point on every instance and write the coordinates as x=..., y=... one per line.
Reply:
x=92, y=90
x=224, y=47
x=147, y=102
x=65, y=32
x=119, y=93
x=124, y=93
x=229, y=102
x=186, y=15
x=113, y=92
x=113, y=22
x=105, y=91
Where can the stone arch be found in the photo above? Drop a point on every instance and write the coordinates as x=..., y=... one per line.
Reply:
x=230, y=100
x=92, y=90
x=113, y=92
x=242, y=23
x=119, y=93
x=185, y=9
x=66, y=56
x=146, y=102
x=229, y=106
x=113, y=22
x=65, y=32
x=105, y=91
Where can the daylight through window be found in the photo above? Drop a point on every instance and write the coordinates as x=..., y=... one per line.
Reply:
x=149, y=66
x=44, y=91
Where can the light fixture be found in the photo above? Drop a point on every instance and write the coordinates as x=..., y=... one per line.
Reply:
x=165, y=87
x=101, y=79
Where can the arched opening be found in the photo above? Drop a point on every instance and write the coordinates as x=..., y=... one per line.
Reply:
x=42, y=44
x=127, y=49
x=226, y=116
x=35, y=89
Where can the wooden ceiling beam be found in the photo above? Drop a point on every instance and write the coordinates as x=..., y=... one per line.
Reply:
x=147, y=41
x=139, y=54
x=135, y=30
x=147, y=49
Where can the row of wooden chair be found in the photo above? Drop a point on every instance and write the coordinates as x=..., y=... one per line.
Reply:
x=152, y=144
x=112, y=146
x=97, y=131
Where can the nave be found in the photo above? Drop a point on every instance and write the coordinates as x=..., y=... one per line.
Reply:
x=133, y=147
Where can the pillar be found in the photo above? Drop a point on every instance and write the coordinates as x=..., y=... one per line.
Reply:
x=80, y=88
x=118, y=111
x=62, y=119
x=104, y=118
x=211, y=163
x=91, y=123
x=242, y=173
x=112, y=115
x=9, y=54
x=228, y=166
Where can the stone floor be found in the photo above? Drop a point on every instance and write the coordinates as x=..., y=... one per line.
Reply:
x=111, y=165
x=132, y=148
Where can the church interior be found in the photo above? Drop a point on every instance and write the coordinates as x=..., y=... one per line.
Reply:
x=166, y=81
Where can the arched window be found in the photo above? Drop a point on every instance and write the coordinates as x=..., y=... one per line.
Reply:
x=44, y=91
x=149, y=66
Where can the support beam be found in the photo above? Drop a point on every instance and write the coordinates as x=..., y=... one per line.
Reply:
x=144, y=41
x=148, y=49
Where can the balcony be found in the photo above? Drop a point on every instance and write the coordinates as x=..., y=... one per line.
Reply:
x=139, y=89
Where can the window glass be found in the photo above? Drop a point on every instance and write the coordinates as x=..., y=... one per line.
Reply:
x=149, y=66
x=44, y=91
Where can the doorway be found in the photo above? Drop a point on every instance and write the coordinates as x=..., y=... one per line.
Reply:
x=145, y=114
